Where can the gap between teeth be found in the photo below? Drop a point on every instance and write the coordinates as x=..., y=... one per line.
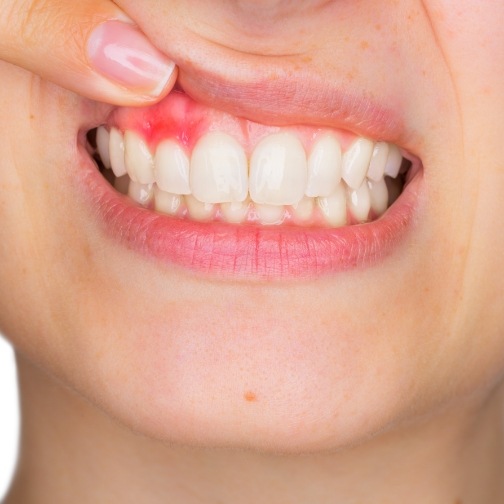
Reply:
x=280, y=182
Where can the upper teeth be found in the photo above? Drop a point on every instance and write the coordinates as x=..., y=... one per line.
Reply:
x=279, y=172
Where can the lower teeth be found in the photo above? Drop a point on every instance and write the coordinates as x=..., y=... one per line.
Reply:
x=344, y=207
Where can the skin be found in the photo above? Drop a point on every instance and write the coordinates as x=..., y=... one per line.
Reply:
x=143, y=382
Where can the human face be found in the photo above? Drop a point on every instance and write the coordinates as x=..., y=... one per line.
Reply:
x=182, y=330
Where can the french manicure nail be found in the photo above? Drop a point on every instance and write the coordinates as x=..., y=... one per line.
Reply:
x=120, y=52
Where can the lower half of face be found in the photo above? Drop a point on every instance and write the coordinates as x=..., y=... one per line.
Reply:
x=292, y=259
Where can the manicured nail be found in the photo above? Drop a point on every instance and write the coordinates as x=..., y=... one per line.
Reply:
x=120, y=52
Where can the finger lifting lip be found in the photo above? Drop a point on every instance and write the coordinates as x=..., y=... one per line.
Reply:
x=231, y=252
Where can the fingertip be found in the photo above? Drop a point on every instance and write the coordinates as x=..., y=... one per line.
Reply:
x=120, y=52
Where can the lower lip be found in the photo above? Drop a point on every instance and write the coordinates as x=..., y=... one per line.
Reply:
x=252, y=252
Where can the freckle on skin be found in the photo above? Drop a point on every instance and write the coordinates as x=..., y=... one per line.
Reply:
x=249, y=396
x=364, y=44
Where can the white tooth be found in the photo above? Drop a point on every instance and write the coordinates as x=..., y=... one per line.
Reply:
x=278, y=170
x=139, y=162
x=121, y=184
x=171, y=168
x=324, y=167
x=379, y=196
x=116, y=151
x=359, y=202
x=102, y=145
x=303, y=210
x=270, y=214
x=394, y=161
x=166, y=202
x=235, y=212
x=198, y=210
x=334, y=207
x=141, y=193
x=378, y=161
x=356, y=162
x=218, y=169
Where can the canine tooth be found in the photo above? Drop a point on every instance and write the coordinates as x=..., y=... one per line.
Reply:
x=141, y=193
x=235, y=212
x=379, y=196
x=103, y=144
x=121, y=184
x=199, y=210
x=324, y=167
x=167, y=203
x=116, y=151
x=171, y=168
x=304, y=209
x=333, y=207
x=356, y=162
x=394, y=161
x=218, y=169
x=270, y=214
x=278, y=170
x=378, y=161
x=359, y=202
x=139, y=162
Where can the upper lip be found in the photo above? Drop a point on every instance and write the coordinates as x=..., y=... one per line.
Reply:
x=286, y=90
x=280, y=97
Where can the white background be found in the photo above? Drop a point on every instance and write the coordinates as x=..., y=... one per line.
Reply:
x=9, y=416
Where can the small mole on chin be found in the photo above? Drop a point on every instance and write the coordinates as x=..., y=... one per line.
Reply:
x=250, y=396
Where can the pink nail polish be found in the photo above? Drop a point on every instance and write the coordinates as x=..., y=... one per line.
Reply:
x=120, y=52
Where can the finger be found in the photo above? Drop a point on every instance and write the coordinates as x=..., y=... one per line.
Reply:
x=88, y=46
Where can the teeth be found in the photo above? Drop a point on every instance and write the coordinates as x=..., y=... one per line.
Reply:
x=278, y=170
x=378, y=161
x=356, y=162
x=333, y=207
x=219, y=170
x=139, y=162
x=116, y=151
x=359, y=202
x=235, y=212
x=303, y=210
x=213, y=183
x=324, y=167
x=171, y=168
x=166, y=202
x=270, y=214
x=394, y=161
x=141, y=193
x=199, y=210
x=103, y=145
x=379, y=196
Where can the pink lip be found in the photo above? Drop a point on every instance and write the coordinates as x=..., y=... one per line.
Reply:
x=250, y=252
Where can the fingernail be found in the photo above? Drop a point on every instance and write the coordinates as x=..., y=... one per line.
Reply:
x=120, y=52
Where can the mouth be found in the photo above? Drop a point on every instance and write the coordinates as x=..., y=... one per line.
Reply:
x=222, y=195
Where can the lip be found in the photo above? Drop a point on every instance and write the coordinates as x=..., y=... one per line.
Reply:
x=246, y=252
x=306, y=100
